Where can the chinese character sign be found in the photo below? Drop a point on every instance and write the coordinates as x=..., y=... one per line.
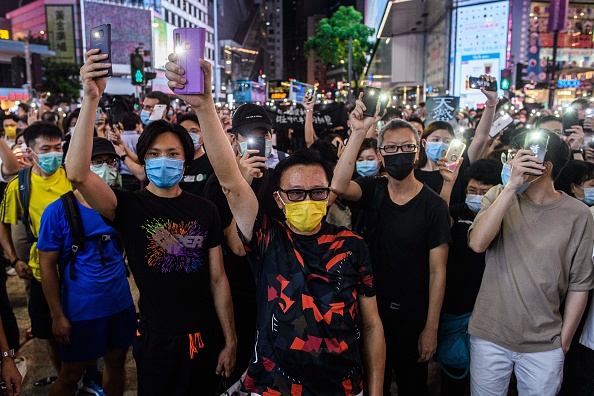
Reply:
x=60, y=30
x=325, y=116
x=441, y=108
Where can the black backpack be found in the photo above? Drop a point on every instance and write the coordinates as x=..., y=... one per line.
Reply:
x=367, y=222
x=75, y=223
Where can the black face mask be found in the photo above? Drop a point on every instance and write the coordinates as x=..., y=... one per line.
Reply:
x=399, y=166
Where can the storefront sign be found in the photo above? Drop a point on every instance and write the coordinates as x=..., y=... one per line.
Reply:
x=60, y=28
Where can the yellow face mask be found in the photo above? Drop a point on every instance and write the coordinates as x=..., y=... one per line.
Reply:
x=305, y=215
x=10, y=131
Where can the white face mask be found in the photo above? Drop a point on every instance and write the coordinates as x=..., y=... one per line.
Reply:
x=108, y=173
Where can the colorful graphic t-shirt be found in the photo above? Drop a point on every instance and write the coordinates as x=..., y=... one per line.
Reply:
x=308, y=318
x=167, y=242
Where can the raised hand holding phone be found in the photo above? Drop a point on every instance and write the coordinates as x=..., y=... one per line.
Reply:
x=189, y=46
x=93, y=74
x=359, y=121
x=175, y=74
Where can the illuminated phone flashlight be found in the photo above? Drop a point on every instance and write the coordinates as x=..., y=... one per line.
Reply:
x=589, y=111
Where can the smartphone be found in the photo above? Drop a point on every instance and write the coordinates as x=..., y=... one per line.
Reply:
x=371, y=97
x=309, y=95
x=454, y=153
x=537, y=142
x=189, y=48
x=101, y=39
x=569, y=119
x=257, y=143
x=158, y=111
x=499, y=124
x=478, y=83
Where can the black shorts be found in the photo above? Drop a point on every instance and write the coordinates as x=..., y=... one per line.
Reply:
x=176, y=364
x=39, y=312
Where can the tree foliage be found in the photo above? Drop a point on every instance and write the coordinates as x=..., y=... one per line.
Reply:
x=62, y=79
x=331, y=42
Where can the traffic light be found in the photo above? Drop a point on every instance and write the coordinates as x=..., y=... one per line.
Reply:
x=521, y=72
x=137, y=69
x=506, y=79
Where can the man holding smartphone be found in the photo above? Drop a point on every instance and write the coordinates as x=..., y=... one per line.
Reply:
x=151, y=100
x=539, y=255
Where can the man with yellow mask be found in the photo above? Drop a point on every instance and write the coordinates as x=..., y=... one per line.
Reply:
x=315, y=290
x=9, y=126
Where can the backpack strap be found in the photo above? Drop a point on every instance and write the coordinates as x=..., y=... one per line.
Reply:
x=76, y=228
x=24, y=179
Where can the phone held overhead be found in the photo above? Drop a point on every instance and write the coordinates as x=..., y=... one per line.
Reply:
x=100, y=38
x=480, y=82
x=371, y=97
x=189, y=48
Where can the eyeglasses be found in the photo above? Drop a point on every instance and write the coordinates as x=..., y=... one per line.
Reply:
x=316, y=194
x=113, y=162
x=405, y=148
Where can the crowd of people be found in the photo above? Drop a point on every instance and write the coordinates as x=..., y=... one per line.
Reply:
x=332, y=269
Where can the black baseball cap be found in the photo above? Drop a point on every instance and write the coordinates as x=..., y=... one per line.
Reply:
x=102, y=146
x=248, y=117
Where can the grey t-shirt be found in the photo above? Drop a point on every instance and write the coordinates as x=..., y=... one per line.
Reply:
x=540, y=253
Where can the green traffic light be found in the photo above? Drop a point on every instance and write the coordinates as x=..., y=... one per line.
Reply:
x=505, y=84
x=138, y=77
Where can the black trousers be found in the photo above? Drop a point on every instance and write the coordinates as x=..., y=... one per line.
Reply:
x=9, y=321
x=402, y=353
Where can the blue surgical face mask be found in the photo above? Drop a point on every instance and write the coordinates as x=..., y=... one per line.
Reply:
x=505, y=175
x=435, y=150
x=164, y=172
x=588, y=195
x=366, y=168
x=474, y=202
x=50, y=162
x=196, y=140
x=109, y=174
x=144, y=117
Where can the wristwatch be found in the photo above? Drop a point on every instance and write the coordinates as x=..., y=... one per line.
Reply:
x=578, y=151
x=9, y=354
x=123, y=157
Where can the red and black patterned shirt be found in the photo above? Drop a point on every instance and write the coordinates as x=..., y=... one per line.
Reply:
x=308, y=318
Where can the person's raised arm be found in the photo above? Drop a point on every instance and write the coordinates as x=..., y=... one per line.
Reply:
x=10, y=164
x=78, y=161
x=481, y=135
x=242, y=200
x=342, y=185
x=487, y=225
x=130, y=159
x=310, y=133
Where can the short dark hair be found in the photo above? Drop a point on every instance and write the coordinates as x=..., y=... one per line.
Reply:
x=391, y=113
x=10, y=116
x=582, y=102
x=25, y=107
x=160, y=96
x=73, y=114
x=41, y=129
x=159, y=127
x=577, y=173
x=417, y=119
x=548, y=118
x=130, y=121
x=188, y=117
x=557, y=154
x=50, y=116
x=429, y=129
x=486, y=171
x=326, y=150
x=303, y=156
x=368, y=143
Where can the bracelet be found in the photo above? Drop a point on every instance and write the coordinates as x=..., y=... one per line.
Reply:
x=308, y=110
x=578, y=151
x=13, y=262
x=493, y=105
x=9, y=354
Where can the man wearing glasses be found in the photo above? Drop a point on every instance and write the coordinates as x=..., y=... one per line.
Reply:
x=315, y=293
x=91, y=306
x=409, y=248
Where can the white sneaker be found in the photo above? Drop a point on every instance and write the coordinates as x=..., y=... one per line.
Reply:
x=11, y=272
x=21, y=364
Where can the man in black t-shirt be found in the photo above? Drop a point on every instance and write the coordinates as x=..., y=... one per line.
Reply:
x=315, y=289
x=199, y=169
x=409, y=248
x=173, y=241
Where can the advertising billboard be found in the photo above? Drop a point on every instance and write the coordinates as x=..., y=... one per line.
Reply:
x=481, y=47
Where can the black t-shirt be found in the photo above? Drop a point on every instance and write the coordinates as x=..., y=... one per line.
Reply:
x=465, y=267
x=167, y=242
x=196, y=175
x=308, y=317
x=434, y=181
x=400, y=252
